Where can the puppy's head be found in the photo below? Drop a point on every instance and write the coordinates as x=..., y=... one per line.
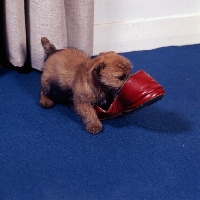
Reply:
x=110, y=69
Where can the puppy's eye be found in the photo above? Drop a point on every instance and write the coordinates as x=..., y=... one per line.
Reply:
x=122, y=77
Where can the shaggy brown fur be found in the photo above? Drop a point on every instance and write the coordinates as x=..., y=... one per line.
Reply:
x=88, y=81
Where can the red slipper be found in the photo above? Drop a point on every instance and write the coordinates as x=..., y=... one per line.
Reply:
x=138, y=91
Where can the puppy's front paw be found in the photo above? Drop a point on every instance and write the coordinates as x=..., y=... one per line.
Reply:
x=94, y=127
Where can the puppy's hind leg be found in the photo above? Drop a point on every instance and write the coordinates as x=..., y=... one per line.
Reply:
x=45, y=100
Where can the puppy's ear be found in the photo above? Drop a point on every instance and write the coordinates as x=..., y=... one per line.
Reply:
x=96, y=64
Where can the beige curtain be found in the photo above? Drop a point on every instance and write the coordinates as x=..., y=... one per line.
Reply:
x=67, y=23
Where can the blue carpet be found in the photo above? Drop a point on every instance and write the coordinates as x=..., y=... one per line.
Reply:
x=152, y=154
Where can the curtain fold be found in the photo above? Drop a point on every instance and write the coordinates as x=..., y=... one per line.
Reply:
x=45, y=19
x=79, y=30
x=64, y=22
x=15, y=32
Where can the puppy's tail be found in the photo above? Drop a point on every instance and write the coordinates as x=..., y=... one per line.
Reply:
x=47, y=46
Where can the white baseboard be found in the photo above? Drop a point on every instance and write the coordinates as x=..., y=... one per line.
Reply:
x=145, y=34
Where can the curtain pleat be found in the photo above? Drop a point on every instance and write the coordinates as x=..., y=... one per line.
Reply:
x=45, y=19
x=66, y=23
x=15, y=32
x=80, y=20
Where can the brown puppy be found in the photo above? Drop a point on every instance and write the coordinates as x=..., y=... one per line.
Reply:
x=87, y=81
